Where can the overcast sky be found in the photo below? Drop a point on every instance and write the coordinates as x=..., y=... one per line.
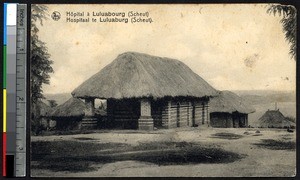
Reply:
x=233, y=47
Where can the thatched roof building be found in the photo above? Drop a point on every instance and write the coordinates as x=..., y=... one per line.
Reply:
x=274, y=119
x=143, y=91
x=73, y=107
x=229, y=102
x=137, y=75
x=69, y=114
x=229, y=110
x=45, y=110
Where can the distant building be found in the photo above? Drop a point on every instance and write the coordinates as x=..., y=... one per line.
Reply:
x=274, y=119
x=144, y=91
x=69, y=114
x=228, y=110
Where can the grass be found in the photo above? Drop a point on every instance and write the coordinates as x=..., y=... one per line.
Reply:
x=70, y=156
x=276, y=144
x=76, y=156
x=68, y=148
x=175, y=153
x=228, y=136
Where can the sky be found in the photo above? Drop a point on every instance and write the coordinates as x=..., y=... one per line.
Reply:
x=232, y=47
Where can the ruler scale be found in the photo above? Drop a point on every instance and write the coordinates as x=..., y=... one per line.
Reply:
x=20, y=164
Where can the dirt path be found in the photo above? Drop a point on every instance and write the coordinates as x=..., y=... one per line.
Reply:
x=257, y=161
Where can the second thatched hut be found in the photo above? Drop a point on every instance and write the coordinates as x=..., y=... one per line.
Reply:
x=44, y=111
x=229, y=110
x=69, y=114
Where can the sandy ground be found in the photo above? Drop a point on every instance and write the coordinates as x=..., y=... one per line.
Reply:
x=258, y=162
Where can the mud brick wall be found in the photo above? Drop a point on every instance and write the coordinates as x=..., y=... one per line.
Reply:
x=218, y=120
x=221, y=120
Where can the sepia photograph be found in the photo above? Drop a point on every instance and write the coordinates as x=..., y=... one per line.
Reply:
x=163, y=90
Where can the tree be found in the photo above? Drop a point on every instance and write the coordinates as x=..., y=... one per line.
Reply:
x=289, y=23
x=40, y=64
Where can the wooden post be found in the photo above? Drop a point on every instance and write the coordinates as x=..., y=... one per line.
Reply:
x=203, y=113
x=145, y=121
x=90, y=107
x=193, y=114
x=207, y=113
x=190, y=114
x=246, y=120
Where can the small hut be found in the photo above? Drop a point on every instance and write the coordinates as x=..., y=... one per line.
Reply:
x=144, y=91
x=69, y=114
x=274, y=119
x=44, y=111
x=229, y=110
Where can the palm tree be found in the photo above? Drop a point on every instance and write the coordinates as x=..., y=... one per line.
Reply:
x=289, y=23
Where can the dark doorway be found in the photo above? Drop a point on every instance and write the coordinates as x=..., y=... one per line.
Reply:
x=188, y=116
x=236, y=120
x=193, y=115
x=178, y=115
x=203, y=113
x=124, y=113
x=242, y=122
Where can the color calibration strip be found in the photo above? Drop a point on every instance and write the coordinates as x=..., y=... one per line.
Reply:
x=9, y=104
x=13, y=128
x=4, y=94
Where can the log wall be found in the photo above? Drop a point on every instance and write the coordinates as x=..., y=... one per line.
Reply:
x=165, y=113
x=183, y=113
x=198, y=112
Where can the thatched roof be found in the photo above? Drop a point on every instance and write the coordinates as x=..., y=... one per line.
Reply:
x=71, y=108
x=273, y=118
x=45, y=110
x=136, y=75
x=229, y=102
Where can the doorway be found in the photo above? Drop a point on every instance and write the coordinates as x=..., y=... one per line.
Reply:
x=178, y=115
